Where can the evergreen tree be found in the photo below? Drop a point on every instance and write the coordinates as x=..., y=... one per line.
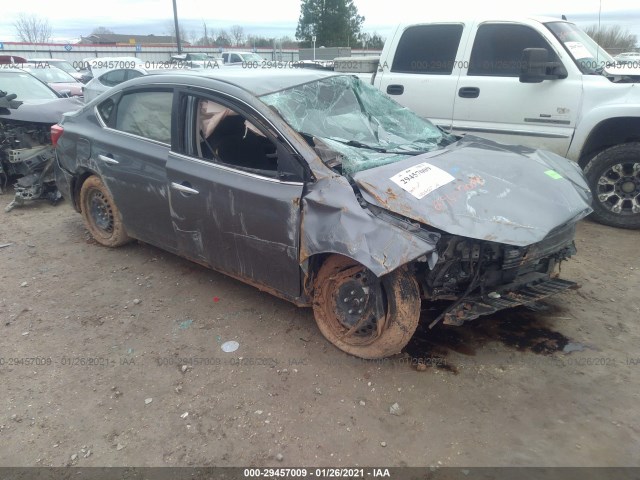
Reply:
x=335, y=23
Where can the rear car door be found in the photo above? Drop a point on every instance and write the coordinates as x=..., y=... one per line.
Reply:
x=424, y=70
x=130, y=154
x=231, y=204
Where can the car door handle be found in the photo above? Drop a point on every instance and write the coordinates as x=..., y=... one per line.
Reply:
x=108, y=159
x=469, y=92
x=184, y=188
x=395, y=89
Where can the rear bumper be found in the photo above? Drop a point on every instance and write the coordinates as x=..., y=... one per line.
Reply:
x=475, y=306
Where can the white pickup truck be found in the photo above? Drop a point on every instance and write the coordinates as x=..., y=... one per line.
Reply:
x=539, y=82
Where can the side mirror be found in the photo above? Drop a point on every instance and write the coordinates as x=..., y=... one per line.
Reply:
x=535, y=67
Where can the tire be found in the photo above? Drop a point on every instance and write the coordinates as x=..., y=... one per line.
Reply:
x=614, y=179
x=385, y=310
x=101, y=215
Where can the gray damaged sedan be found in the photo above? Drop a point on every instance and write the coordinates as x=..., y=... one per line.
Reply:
x=319, y=189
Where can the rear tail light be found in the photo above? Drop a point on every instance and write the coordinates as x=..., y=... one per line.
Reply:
x=56, y=133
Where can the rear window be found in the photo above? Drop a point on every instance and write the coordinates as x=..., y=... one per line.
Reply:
x=428, y=49
x=146, y=114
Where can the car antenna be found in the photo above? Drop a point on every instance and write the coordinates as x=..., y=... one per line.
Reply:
x=564, y=17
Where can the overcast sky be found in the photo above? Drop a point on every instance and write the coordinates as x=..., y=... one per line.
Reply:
x=71, y=18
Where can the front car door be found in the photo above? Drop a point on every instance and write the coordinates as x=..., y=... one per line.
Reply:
x=492, y=102
x=231, y=207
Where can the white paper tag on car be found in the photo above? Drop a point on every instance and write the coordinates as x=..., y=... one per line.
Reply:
x=422, y=179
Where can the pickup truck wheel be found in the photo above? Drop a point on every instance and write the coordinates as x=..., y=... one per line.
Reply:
x=101, y=215
x=363, y=315
x=614, y=178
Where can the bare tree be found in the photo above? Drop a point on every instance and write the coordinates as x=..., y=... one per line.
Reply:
x=222, y=38
x=612, y=38
x=237, y=34
x=170, y=29
x=32, y=28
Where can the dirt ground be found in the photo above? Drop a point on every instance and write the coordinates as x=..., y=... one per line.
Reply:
x=112, y=357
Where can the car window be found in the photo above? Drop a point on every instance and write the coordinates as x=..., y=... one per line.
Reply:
x=235, y=58
x=51, y=75
x=427, y=49
x=497, y=50
x=223, y=135
x=65, y=66
x=105, y=109
x=113, y=78
x=147, y=114
x=133, y=74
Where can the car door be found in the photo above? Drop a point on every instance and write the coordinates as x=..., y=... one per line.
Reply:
x=130, y=155
x=231, y=205
x=424, y=72
x=492, y=102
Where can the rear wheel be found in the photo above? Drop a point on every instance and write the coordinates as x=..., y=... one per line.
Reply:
x=363, y=315
x=614, y=178
x=101, y=215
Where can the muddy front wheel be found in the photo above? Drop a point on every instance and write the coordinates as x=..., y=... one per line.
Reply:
x=363, y=315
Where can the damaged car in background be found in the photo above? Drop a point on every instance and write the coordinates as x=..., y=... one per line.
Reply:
x=319, y=189
x=28, y=109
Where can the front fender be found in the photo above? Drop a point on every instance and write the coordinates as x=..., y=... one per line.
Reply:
x=334, y=222
x=601, y=105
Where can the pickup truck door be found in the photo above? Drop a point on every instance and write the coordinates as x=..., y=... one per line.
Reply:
x=492, y=102
x=422, y=74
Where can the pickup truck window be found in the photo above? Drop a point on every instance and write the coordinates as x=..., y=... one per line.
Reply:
x=497, y=49
x=586, y=53
x=428, y=49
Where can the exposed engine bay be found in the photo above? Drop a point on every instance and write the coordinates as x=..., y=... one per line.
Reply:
x=483, y=277
x=26, y=158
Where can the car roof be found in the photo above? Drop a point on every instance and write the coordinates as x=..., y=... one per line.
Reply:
x=255, y=82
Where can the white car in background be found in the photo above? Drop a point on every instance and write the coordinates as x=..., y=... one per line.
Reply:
x=231, y=58
x=106, y=79
x=63, y=65
x=110, y=78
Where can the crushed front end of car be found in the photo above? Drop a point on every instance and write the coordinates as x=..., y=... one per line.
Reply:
x=482, y=225
x=26, y=152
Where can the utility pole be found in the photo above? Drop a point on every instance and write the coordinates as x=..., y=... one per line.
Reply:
x=175, y=20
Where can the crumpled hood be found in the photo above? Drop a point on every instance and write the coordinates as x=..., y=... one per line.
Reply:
x=481, y=189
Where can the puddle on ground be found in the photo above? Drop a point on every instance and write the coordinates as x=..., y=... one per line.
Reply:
x=521, y=328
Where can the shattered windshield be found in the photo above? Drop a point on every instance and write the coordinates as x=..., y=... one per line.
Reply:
x=363, y=126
